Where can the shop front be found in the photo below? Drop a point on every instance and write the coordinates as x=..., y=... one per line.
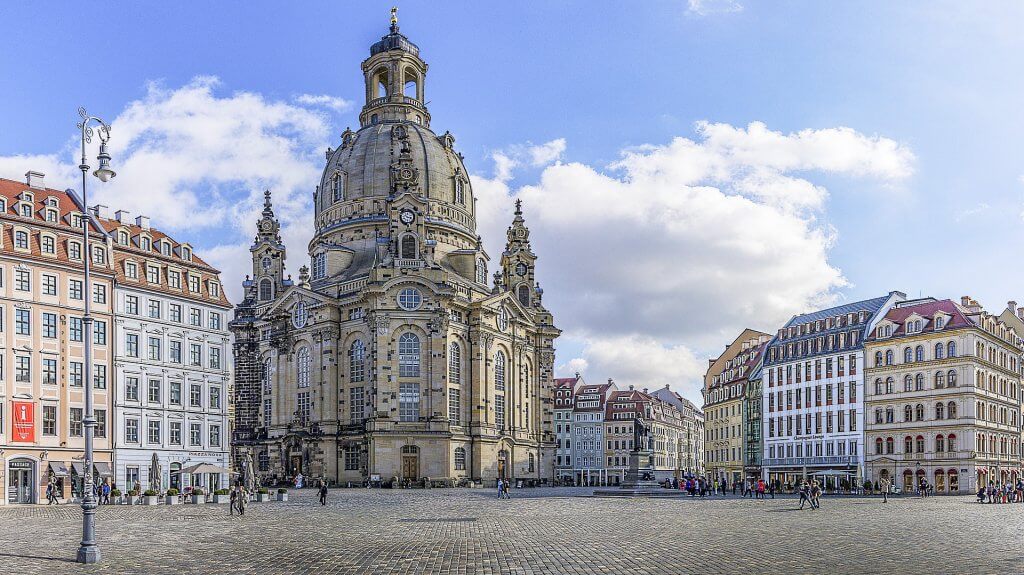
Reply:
x=22, y=482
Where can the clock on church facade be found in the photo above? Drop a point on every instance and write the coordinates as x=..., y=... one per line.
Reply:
x=394, y=354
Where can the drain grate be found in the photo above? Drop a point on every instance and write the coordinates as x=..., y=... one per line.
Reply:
x=440, y=520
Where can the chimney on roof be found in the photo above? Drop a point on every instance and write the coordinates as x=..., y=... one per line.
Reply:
x=631, y=388
x=34, y=179
x=577, y=375
x=142, y=222
x=645, y=390
x=1020, y=312
x=666, y=386
x=610, y=381
x=122, y=217
x=965, y=300
x=1012, y=305
x=101, y=211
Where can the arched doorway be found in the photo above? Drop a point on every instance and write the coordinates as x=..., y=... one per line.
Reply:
x=954, y=481
x=21, y=481
x=410, y=462
x=908, y=481
x=503, y=464
x=940, y=481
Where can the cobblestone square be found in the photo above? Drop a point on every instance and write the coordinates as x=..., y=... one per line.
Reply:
x=538, y=531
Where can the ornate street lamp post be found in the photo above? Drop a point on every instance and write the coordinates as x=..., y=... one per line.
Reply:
x=89, y=550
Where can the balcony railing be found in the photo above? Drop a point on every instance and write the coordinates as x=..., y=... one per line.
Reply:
x=834, y=460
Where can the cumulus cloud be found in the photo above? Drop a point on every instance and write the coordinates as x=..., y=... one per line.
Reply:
x=323, y=100
x=678, y=247
x=706, y=7
x=197, y=160
x=641, y=361
x=535, y=155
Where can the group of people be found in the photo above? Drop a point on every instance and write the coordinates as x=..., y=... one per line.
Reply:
x=757, y=489
x=503, y=486
x=1001, y=492
x=810, y=493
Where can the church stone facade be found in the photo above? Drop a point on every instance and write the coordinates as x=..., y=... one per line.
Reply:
x=395, y=354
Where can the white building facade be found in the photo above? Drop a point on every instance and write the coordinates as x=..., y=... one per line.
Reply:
x=813, y=402
x=171, y=360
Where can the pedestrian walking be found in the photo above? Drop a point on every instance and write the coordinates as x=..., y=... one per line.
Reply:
x=884, y=484
x=805, y=495
x=49, y=493
x=323, y=493
x=234, y=500
x=815, y=495
x=243, y=497
x=771, y=488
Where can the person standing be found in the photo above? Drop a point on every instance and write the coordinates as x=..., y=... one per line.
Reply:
x=884, y=484
x=49, y=493
x=243, y=495
x=805, y=495
x=500, y=487
x=234, y=500
x=323, y=493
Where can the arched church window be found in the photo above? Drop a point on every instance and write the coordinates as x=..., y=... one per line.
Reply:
x=337, y=187
x=267, y=381
x=302, y=361
x=460, y=192
x=411, y=87
x=408, y=247
x=531, y=463
x=357, y=361
x=300, y=315
x=409, y=355
x=266, y=289
x=499, y=370
x=481, y=271
x=460, y=458
x=382, y=83
x=319, y=266
x=524, y=295
x=454, y=363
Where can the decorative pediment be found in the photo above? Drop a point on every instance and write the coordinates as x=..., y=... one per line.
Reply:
x=295, y=294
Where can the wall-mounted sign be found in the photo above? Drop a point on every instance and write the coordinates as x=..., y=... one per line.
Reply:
x=23, y=422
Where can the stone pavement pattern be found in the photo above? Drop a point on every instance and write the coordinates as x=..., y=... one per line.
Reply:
x=463, y=531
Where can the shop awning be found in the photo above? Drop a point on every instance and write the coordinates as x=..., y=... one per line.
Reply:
x=78, y=467
x=103, y=469
x=59, y=468
x=203, y=468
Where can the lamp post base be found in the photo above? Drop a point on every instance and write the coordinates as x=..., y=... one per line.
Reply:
x=89, y=554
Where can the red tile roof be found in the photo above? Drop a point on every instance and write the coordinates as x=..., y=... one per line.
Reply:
x=927, y=310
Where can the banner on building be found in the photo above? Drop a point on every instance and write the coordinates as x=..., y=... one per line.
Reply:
x=23, y=422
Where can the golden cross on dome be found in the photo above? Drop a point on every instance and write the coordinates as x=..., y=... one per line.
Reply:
x=394, y=15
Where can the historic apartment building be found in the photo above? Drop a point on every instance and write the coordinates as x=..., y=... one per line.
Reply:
x=588, y=431
x=395, y=355
x=943, y=395
x=565, y=390
x=725, y=385
x=812, y=407
x=752, y=418
x=171, y=358
x=690, y=447
x=42, y=379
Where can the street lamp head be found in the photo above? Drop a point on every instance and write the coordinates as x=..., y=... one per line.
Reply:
x=104, y=173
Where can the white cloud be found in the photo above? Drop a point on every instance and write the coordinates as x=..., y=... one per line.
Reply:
x=705, y=7
x=640, y=361
x=197, y=162
x=687, y=242
x=547, y=153
x=323, y=100
x=535, y=155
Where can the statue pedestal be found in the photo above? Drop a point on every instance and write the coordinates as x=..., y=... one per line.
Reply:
x=639, y=480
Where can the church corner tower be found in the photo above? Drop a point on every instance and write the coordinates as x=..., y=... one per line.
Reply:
x=393, y=357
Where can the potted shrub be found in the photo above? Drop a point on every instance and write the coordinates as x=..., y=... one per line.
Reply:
x=222, y=496
x=172, y=497
x=132, y=494
x=115, y=496
x=198, y=496
x=263, y=495
x=867, y=486
x=150, y=497
x=282, y=494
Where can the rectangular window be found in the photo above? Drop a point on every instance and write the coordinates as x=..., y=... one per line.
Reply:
x=154, y=431
x=174, y=279
x=76, y=329
x=193, y=283
x=131, y=474
x=828, y=422
x=49, y=420
x=195, y=316
x=154, y=392
x=352, y=458
x=409, y=402
x=154, y=308
x=841, y=421
x=153, y=274
x=195, y=395
x=499, y=410
x=101, y=422
x=131, y=269
x=175, y=313
x=22, y=280
x=99, y=332
x=99, y=293
x=154, y=349
x=175, y=433
x=175, y=354
x=131, y=344
x=853, y=358
x=131, y=304
x=853, y=392
x=75, y=289
x=175, y=398
x=454, y=406
x=23, y=322
x=355, y=404
x=22, y=369
x=214, y=397
x=131, y=388
x=268, y=412
x=853, y=422
x=75, y=423
x=49, y=325
x=214, y=358
x=304, y=406
x=99, y=377
x=195, y=354
x=75, y=374
x=49, y=284
x=49, y=371
x=195, y=434
x=214, y=320
x=214, y=436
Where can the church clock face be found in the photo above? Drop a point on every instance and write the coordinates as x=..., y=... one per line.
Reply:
x=266, y=262
x=521, y=269
x=407, y=217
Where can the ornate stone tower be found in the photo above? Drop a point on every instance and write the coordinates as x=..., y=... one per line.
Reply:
x=268, y=254
x=518, y=262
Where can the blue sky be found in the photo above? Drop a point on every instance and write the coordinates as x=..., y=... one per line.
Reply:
x=850, y=148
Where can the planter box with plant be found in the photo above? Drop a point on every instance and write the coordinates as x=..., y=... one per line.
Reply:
x=172, y=497
x=150, y=497
x=263, y=495
x=282, y=494
x=132, y=494
x=115, y=496
x=198, y=496
x=222, y=496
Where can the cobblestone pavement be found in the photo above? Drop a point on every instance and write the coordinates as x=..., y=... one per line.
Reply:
x=468, y=531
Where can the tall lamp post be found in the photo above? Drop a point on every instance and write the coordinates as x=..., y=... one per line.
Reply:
x=89, y=550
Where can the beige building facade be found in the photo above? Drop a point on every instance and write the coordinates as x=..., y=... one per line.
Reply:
x=395, y=354
x=943, y=397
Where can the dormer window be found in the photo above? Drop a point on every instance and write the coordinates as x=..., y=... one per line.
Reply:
x=214, y=289
x=21, y=240
x=75, y=250
x=26, y=211
x=3, y=206
x=174, y=279
x=122, y=237
x=99, y=256
x=76, y=220
x=51, y=215
x=186, y=254
x=153, y=274
x=145, y=243
x=165, y=248
x=131, y=269
x=193, y=283
x=939, y=322
x=48, y=245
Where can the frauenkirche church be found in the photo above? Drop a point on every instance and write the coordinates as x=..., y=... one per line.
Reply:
x=393, y=355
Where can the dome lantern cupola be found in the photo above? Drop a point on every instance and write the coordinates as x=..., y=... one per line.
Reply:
x=394, y=76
